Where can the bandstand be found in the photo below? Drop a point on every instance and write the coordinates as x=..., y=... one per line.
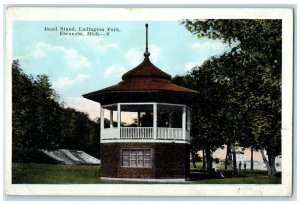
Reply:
x=145, y=125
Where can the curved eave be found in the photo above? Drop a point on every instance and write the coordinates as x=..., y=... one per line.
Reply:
x=105, y=97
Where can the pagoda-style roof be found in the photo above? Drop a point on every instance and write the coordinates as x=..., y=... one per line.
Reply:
x=146, y=69
x=144, y=83
x=146, y=77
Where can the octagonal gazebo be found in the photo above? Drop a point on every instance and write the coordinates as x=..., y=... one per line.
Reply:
x=145, y=125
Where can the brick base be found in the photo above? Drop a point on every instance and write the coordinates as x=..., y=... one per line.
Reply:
x=169, y=161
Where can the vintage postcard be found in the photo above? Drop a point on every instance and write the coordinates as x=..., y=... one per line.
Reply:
x=149, y=101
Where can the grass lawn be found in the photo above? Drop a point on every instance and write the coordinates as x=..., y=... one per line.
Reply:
x=30, y=173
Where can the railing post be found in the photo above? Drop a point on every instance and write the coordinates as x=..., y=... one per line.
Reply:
x=111, y=119
x=154, y=120
x=184, y=122
x=101, y=123
x=188, y=123
x=170, y=119
x=138, y=119
x=119, y=119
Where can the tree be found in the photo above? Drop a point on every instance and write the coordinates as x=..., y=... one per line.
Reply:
x=40, y=121
x=207, y=127
x=253, y=67
x=21, y=98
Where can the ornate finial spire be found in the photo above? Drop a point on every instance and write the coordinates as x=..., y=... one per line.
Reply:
x=146, y=54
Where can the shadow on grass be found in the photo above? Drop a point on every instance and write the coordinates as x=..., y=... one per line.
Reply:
x=198, y=176
x=31, y=173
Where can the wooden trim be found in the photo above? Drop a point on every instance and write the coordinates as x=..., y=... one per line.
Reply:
x=154, y=120
x=184, y=123
x=143, y=103
x=119, y=118
x=104, y=141
x=102, y=122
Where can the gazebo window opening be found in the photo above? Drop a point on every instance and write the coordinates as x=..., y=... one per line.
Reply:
x=110, y=116
x=161, y=121
x=169, y=116
x=137, y=115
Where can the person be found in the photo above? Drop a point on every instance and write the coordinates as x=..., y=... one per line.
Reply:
x=240, y=165
x=245, y=166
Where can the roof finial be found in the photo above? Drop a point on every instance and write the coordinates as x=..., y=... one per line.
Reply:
x=146, y=54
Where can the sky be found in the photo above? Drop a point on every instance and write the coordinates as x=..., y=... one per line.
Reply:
x=77, y=65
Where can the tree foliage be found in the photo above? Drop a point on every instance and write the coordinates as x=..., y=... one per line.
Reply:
x=246, y=82
x=40, y=121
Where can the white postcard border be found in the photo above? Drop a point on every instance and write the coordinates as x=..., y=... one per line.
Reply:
x=159, y=14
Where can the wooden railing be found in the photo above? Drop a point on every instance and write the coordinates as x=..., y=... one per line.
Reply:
x=169, y=133
x=110, y=133
x=136, y=133
x=163, y=133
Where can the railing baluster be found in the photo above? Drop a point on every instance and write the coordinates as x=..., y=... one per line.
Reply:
x=145, y=133
x=140, y=131
x=131, y=135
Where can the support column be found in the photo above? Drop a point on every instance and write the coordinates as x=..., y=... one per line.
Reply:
x=119, y=119
x=101, y=123
x=111, y=122
x=188, y=119
x=184, y=122
x=170, y=119
x=139, y=119
x=188, y=126
x=154, y=120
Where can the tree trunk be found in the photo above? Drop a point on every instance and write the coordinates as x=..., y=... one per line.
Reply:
x=204, y=160
x=234, y=159
x=251, y=167
x=266, y=162
x=228, y=153
x=272, y=165
x=193, y=158
x=226, y=159
x=209, y=160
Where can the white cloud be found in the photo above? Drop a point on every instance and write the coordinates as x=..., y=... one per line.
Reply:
x=40, y=50
x=155, y=53
x=66, y=81
x=84, y=105
x=71, y=56
x=102, y=48
x=208, y=47
x=115, y=70
x=190, y=65
x=134, y=56
x=100, y=44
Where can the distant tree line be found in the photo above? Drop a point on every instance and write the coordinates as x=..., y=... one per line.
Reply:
x=41, y=121
x=240, y=90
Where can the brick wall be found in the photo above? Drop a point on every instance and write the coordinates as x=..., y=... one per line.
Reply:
x=169, y=160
